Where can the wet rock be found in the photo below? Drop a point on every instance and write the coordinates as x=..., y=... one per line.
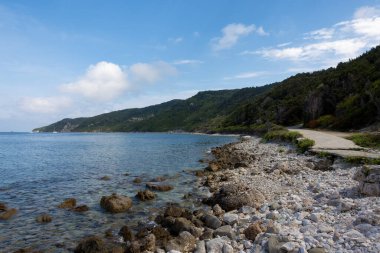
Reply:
x=44, y=218
x=199, y=173
x=68, y=203
x=158, y=179
x=148, y=243
x=213, y=167
x=174, y=211
x=108, y=233
x=185, y=242
x=126, y=233
x=137, y=180
x=3, y=207
x=145, y=195
x=225, y=231
x=180, y=224
x=81, y=208
x=105, y=178
x=369, y=180
x=161, y=234
x=234, y=196
x=116, y=203
x=6, y=215
x=134, y=247
x=253, y=230
x=91, y=244
x=159, y=187
x=212, y=221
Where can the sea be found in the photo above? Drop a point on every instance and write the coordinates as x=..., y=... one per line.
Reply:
x=39, y=170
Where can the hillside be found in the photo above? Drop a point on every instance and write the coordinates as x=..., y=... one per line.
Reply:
x=345, y=97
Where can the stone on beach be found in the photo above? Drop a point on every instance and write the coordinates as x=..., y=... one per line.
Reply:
x=116, y=203
x=369, y=180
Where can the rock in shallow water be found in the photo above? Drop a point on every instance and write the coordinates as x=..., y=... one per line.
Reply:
x=44, y=218
x=68, y=203
x=159, y=187
x=91, y=244
x=8, y=214
x=116, y=203
x=146, y=195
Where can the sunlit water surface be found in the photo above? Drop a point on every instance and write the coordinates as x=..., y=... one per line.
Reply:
x=38, y=171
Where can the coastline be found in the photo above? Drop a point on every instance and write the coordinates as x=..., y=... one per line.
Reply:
x=258, y=197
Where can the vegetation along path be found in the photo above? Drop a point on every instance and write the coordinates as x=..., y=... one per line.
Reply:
x=333, y=143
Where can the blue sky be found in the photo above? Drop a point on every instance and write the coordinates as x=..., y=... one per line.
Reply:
x=76, y=58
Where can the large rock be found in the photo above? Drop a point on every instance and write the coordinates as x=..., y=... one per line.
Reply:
x=68, y=203
x=126, y=233
x=146, y=195
x=212, y=221
x=91, y=244
x=235, y=196
x=8, y=214
x=159, y=187
x=185, y=242
x=369, y=180
x=116, y=203
x=174, y=211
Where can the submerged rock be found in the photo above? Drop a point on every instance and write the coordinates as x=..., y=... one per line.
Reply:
x=3, y=207
x=137, y=180
x=145, y=195
x=91, y=244
x=105, y=178
x=81, y=208
x=68, y=203
x=116, y=203
x=126, y=233
x=159, y=187
x=44, y=218
x=6, y=215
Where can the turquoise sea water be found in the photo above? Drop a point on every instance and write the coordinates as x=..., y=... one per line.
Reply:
x=38, y=171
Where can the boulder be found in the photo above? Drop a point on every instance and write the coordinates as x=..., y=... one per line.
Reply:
x=126, y=233
x=137, y=180
x=91, y=244
x=185, y=242
x=148, y=243
x=230, y=218
x=3, y=207
x=145, y=195
x=6, y=215
x=68, y=203
x=174, y=211
x=44, y=218
x=369, y=180
x=116, y=203
x=212, y=221
x=235, y=196
x=159, y=187
x=225, y=230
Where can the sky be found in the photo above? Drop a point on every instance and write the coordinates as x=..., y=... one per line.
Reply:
x=79, y=58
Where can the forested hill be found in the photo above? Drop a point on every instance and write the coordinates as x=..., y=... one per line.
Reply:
x=345, y=97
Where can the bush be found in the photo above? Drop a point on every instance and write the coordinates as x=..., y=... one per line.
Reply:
x=282, y=135
x=326, y=121
x=366, y=140
x=362, y=160
x=304, y=145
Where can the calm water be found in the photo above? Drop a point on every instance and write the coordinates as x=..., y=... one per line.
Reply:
x=38, y=171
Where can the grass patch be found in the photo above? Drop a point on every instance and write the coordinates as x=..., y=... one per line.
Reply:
x=282, y=135
x=304, y=145
x=362, y=160
x=366, y=140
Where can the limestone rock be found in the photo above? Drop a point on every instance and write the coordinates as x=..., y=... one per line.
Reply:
x=116, y=203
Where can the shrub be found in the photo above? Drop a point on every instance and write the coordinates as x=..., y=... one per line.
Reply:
x=304, y=145
x=326, y=120
x=366, y=140
x=282, y=135
x=362, y=160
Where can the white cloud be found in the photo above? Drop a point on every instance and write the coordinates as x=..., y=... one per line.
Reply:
x=260, y=31
x=176, y=40
x=44, y=104
x=339, y=42
x=324, y=33
x=246, y=75
x=151, y=73
x=187, y=61
x=366, y=12
x=232, y=33
x=102, y=81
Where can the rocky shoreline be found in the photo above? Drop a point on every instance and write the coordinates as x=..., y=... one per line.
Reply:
x=258, y=197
